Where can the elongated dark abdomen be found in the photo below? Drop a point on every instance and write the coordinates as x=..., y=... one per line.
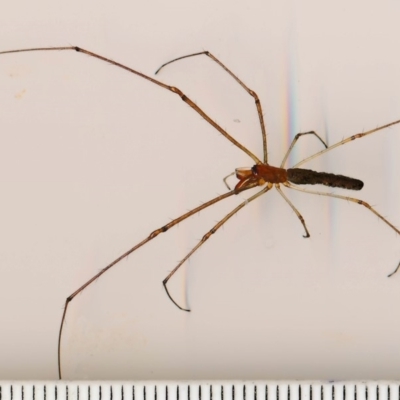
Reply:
x=301, y=176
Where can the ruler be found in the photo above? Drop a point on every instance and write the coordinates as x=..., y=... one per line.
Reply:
x=199, y=390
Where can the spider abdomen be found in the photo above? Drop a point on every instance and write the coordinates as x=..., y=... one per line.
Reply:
x=302, y=176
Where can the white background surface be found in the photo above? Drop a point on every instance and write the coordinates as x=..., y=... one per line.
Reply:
x=92, y=159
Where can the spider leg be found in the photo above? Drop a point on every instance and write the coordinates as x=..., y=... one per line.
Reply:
x=252, y=93
x=296, y=138
x=172, y=89
x=345, y=141
x=152, y=235
x=207, y=236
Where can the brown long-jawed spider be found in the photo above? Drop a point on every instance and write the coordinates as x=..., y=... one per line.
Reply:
x=260, y=175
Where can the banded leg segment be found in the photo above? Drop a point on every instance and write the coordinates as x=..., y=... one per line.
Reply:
x=354, y=200
x=252, y=93
x=172, y=89
x=344, y=141
x=299, y=216
x=207, y=236
x=296, y=138
x=152, y=235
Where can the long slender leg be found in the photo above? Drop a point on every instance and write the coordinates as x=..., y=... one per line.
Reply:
x=207, y=236
x=299, y=216
x=148, y=78
x=296, y=138
x=352, y=199
x=152, y=235
x=344, y=141
x=248, y=90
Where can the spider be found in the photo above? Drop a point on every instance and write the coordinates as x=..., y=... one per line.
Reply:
x=261, y=174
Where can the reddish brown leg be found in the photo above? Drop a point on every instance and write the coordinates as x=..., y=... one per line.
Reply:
x=172, y=89
x=248, y=90
x=208, y=235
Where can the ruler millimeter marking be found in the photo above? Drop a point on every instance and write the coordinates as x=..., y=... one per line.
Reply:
x=213, y=390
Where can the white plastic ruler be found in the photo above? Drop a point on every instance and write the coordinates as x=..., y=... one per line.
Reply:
x=200, y=390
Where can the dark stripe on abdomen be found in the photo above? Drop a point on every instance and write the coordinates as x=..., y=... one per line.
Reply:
x=302, y=176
